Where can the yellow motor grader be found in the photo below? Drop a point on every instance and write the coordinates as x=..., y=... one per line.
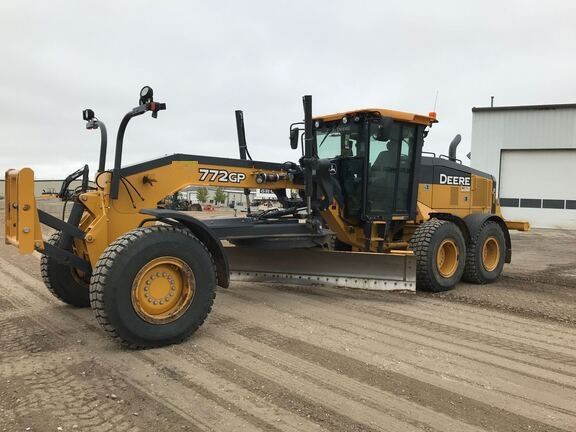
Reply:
x=374, y=211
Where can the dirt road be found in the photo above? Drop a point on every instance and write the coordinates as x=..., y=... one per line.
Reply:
x=281, y=358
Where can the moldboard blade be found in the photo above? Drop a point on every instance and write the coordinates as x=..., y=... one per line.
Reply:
x=363, y=270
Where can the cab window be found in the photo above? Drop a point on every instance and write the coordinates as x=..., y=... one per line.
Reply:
x=337, y=141
x=390, y=171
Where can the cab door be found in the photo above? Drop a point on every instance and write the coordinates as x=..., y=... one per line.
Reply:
x=390, y=182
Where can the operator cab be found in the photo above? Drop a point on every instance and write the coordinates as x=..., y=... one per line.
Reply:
x=374, y=154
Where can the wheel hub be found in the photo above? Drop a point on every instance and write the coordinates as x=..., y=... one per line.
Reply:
x=163, y=290
x=447, y=258
x=490, y=254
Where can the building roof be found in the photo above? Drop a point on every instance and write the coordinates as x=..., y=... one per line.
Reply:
x=524, y=107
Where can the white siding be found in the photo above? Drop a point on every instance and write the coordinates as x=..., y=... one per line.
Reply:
x=493, y=131
x=532, y=154
x=540, y=175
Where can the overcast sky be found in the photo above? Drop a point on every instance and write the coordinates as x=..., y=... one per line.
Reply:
x=206, y=59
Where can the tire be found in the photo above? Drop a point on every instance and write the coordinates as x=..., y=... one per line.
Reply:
x=62, y=281
x=119, y=293
x=485, y=268
x=437, y=241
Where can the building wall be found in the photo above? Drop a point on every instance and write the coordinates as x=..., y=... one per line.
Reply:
x=493, y=131
x=531, y=151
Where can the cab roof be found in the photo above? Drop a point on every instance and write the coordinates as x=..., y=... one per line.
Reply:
x=396, y=115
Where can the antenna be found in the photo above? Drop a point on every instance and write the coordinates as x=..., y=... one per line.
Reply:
x=435, y=100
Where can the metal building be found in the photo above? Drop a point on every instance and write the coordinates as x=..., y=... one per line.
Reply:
x=531, y=151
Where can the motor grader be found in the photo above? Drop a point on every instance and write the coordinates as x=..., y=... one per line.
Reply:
x=373, y=211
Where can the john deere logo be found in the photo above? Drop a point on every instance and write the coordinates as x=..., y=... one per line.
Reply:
x=454, y=180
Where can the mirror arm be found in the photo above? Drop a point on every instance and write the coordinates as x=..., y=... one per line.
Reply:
x=103, y=146
x=115, y=184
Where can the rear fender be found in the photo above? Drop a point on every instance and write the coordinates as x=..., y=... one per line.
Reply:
x=459, y=222
x=204, y=234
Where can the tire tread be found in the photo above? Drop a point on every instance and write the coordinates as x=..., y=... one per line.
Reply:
x=45, y=264
x=104, y=265
x=471, y=270
x=419, y=243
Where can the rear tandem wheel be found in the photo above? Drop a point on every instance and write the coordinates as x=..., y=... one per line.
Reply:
x=486, y=254
x=153, y=286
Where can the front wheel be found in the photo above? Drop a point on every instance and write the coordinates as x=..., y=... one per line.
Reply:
x=67, y=284
x=440, y=253
x=153, y=286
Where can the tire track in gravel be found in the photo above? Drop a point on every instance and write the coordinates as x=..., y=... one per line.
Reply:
x=128, y=358
x=273, y=360
x=281, y=325
x=522, y=329
x=452, y=404
x=215, y=387
x=531, y=355
x=533, y=390
x=421, y=337
x=410, y=334
x=331, y=383
x=451, y=313
x=200, y=413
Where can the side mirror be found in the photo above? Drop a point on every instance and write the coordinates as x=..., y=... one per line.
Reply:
x=385, y=125
x=87, y=114
x=146, y=95
x=294, y=135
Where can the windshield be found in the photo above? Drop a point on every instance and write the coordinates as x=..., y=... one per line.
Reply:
x=336, y=140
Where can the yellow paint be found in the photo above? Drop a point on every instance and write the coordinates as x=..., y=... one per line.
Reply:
x=518, y=225
x=163, y=290
x=105, y=219
x=398, y=115
x=22, y=226
x=490, y=253
x=447, y=258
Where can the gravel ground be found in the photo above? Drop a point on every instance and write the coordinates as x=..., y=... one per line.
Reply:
x=274, y=357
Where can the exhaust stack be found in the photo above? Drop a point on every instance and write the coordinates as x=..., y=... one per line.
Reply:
x=453, y=146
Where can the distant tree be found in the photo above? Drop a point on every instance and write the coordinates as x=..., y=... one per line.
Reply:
x=219, y=196
x=202, y=194
x=175, y=198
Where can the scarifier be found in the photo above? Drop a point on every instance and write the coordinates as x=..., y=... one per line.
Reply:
x=372, y=211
